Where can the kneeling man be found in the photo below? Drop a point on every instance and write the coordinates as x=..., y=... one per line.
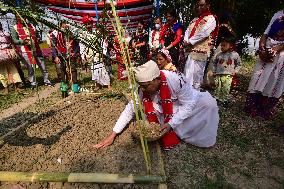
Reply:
x=186, y=113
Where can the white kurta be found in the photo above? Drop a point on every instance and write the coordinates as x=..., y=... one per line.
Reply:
x=268, y=78
x=195, y=118
x=99, y=72
x=194, y=69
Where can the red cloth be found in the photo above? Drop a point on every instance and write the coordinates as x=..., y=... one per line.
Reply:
x=61, y=43
x=200, y=18
x=177, y=38
x=170, y=139
x=235, y=81
x=120, y=69
x=87, y=19
x=22, y=35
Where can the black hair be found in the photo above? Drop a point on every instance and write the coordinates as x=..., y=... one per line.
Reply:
x=172, y=12
x=229, y=39
x=162, y=54
x=158, y=17
x=1, y=26
x=62, y=22
x=141, y=22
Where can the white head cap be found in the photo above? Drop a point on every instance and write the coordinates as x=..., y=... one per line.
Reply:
x=147, y=72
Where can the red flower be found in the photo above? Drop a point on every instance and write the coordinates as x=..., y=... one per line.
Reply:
x=229, y=62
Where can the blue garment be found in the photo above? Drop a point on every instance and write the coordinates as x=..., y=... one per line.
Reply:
x=177, y=26
x=277, y=26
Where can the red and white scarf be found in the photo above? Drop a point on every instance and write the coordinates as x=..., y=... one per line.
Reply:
x=24, y=35
x=197, y=22
x=167, y=104
x=170, y=139
x=61, y=43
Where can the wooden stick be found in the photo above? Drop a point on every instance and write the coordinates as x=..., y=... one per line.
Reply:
x=6, y=176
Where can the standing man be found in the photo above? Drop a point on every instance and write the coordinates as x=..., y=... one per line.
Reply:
x=199, y=38
x=24, y=37
x=66, y=53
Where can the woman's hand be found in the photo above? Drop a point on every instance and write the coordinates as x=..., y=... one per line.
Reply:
x=265, y=56
x=277, y=49
x=107, y=141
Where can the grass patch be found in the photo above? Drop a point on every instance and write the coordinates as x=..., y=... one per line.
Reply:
x=218, y=183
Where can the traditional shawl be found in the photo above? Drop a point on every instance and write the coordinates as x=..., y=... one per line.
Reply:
x=170, y=139
x=24, y=34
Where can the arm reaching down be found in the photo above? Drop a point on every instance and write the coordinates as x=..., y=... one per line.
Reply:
x=124, y=118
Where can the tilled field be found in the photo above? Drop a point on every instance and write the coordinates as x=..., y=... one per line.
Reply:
x=62, y=140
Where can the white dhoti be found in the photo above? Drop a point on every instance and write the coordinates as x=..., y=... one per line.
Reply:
x=99, y=74
x=268, y=78
x=194, y=71
x=200, y=128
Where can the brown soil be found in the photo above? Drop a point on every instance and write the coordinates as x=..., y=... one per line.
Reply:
x=19, y=107
x=24, y=110
x=61, y=141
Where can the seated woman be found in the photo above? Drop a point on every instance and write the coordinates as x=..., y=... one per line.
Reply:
x=164, y=61
x=267, y=82
x=169, y=100
x=8, y=72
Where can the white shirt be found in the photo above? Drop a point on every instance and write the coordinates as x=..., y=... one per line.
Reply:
x=207, y=29
x=184, y=98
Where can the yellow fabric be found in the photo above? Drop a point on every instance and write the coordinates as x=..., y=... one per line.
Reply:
x=170, y=67
x=9, y=74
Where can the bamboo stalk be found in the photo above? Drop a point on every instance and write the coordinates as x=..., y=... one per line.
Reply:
x=131, y=80
x=6, y=176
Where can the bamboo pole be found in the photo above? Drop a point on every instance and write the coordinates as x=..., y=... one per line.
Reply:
x=6, y=176
x=131, y=79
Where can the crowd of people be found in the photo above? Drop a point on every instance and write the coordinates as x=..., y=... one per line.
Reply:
x=173, y=66
x=187, y=62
